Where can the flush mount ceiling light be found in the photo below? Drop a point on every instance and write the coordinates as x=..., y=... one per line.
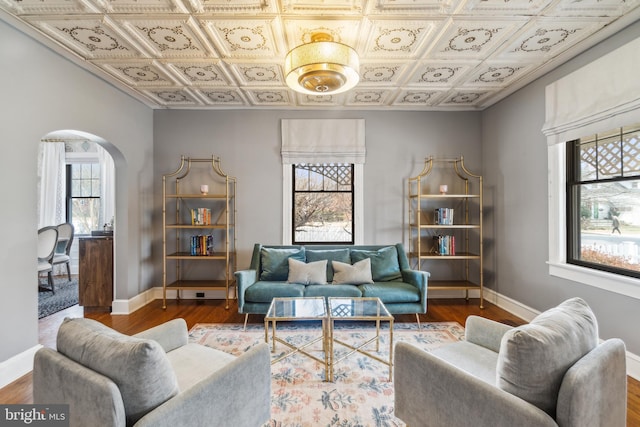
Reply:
x=322, y=67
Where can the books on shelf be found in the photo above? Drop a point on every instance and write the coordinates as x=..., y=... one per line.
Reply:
x=443, y=216
x=444, y=245
x=201, y=216
x=202, y=245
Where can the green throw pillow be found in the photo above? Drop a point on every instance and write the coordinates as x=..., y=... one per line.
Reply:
x=384, y=263
x=341, y=255
x=275, y=262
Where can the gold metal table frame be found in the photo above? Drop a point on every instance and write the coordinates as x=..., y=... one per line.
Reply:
x=294, y=309
x=358, y=309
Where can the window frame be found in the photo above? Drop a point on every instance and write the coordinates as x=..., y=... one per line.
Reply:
x=293, y=205
x=358, y=204
x=77, y=159
x=574, y=182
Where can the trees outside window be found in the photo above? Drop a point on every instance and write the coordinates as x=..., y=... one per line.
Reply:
x=603, y=201
x=83, y=197
x=323, y=203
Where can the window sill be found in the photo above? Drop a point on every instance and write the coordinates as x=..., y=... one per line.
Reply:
x=622, y=285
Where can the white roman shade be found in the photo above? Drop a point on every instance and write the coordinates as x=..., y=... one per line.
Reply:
x=598, y=97
x=323, y=141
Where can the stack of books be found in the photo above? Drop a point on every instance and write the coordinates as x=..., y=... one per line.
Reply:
x=443, y=216
x=201, y=216
x=444, y=245
x=202, y=245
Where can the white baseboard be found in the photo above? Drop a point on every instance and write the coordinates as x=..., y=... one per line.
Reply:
x=19, y=365
x=146, y=297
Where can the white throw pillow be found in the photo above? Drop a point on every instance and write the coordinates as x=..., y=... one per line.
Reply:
x=313, y=273
x=356, y=274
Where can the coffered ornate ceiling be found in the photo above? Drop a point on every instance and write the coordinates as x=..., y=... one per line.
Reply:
x=414, y=54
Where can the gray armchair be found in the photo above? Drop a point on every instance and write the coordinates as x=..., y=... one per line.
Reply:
x=551, y=372
x=155, y=378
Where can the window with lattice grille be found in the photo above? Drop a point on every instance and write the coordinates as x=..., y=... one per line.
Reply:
x=603, y=201
x=323, y=203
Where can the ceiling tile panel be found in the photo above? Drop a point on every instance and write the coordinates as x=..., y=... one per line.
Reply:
x=245, y=38
x=414, y=54
x=91, y=38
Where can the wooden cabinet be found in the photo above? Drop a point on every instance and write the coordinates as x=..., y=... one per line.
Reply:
x=95, y=281
x=198, y=236
x=445, y=225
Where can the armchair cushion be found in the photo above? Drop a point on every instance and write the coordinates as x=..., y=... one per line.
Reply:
x=384, y=263
x=139, y=367
x=534, y=358
x=275, y=262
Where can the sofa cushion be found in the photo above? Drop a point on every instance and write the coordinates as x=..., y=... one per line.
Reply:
x=344, y=291
x=384, y=263
x=139, y=367
x=356, y=274
x=534, y=358
x=312, y=273
x=341, y=255
x=274, y=262
x=265, y=291
x=391, y=292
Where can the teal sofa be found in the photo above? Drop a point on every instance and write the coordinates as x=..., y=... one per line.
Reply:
x=401, y=289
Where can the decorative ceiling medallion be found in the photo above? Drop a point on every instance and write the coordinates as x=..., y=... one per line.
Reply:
x=173, y=96
x=226, y=97
x=141, y=74
x=270, y=97
x=262, y=74
x=471, y=39
x=415, y=97
x=378, y=74
x=318, y=99
x=497, y=75
x=366, y=97
x=93, y=39
x=543, y=40
x=465, y=98
x=246, y=39
x=397, y=40
x=169, y=39
x=200, y=73
x=438, y=75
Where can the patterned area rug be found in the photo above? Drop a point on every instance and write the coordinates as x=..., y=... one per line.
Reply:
x=360, y=396
x=66, y=296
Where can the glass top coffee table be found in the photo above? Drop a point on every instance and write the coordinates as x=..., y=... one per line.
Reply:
x=295, y=309
x=363, y=309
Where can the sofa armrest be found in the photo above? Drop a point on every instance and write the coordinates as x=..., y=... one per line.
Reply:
x=420, y=280
x=94, y=399
x=239, y=394
x=485, y=332
x=170, y=335
x=244, y=279
x=430, y=391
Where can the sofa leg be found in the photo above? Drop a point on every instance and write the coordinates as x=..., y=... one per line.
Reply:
x=418, y=320
x=246, y=317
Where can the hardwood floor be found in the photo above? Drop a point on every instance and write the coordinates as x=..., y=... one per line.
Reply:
x=213, y=311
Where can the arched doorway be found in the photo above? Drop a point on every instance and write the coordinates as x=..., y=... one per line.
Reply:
x=76, y=184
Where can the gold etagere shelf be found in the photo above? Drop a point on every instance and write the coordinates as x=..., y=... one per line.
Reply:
x=178, y=224
x=464, y=238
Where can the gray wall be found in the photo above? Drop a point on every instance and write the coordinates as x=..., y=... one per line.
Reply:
x=249, y=144
x=515, y=173
x=42, y=92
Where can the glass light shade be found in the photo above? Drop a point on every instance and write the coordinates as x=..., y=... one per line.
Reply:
x=322, y=68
